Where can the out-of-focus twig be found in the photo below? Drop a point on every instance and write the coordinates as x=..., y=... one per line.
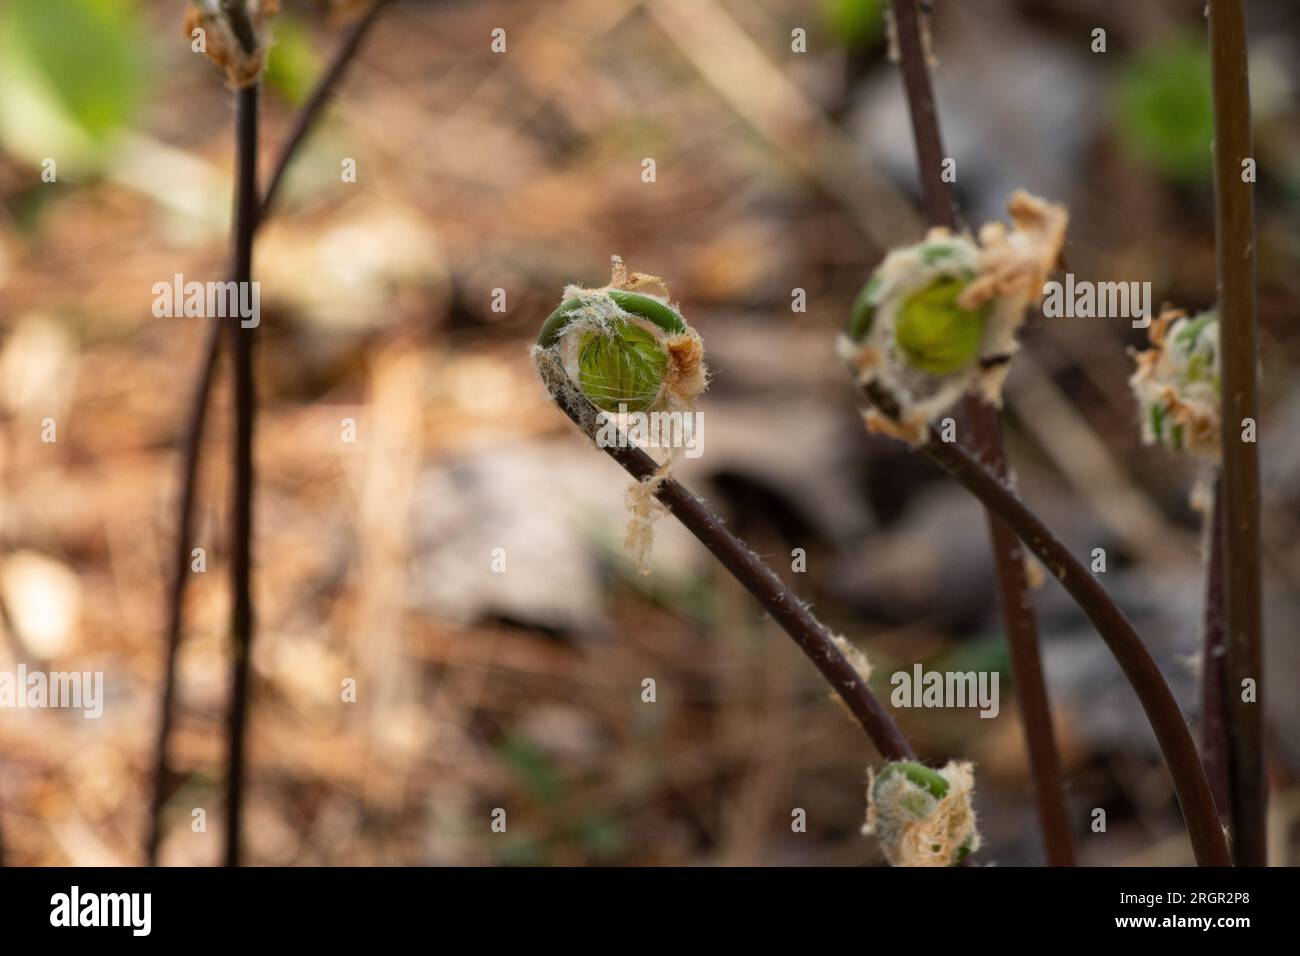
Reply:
x=320, y=95
x=195, y=425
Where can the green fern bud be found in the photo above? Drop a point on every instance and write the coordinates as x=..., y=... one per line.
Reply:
x=664, y=316
x=938, y=318
x=863, y=315
x=622, y=366
x=923, y=816
x=1177, y=384
x=921, y=775
x=625, y=350
x=935, y=334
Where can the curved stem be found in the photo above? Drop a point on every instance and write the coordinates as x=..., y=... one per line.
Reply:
x=1234, y=221
x=1134, y=659
x=1022, y=641
x=196, y=423
x=1013, y=587
x=770, y=591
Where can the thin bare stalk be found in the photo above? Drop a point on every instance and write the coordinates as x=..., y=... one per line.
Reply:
x=940, y=202
x=1234, y=218
x=1013, y=590
x=770, y=591
x=1172, y=733
x=196, y=422
x=1214, y=741
x=241, y=552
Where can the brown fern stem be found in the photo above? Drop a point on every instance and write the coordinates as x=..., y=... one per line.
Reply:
x=196, y=423
x=1171, y=730
x=1013, y=590
x=1234, y=218
x=772, y=593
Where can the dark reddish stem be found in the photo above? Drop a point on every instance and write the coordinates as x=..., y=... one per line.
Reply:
x=1013, y=591
x=940, y=203
x=196, y=423
x=241, y=554
x=1234, y=218
x=770, y=591
x=1172, y=733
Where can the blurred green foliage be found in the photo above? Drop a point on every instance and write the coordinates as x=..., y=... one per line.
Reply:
x=988, y=652
x=1164, y=109
x=72, y=74
x=293, y=64
x=534, y=766
x=593, y=834
x=854, y=23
